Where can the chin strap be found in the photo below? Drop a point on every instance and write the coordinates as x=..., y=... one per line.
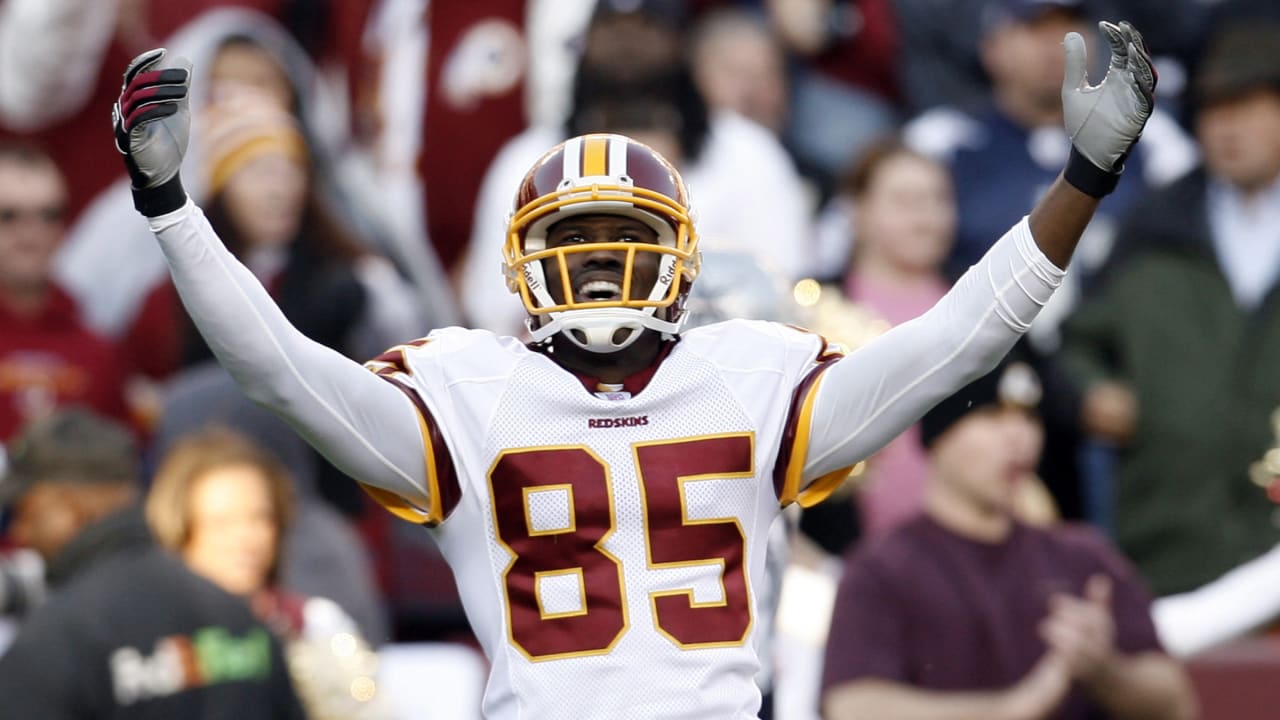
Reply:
x=594, y=330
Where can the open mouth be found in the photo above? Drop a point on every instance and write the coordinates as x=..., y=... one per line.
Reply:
x=598, y=291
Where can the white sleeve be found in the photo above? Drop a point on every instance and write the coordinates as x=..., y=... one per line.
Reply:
x=364, y=425
x=869, y=397
x=50, y=54
x=1246, y=598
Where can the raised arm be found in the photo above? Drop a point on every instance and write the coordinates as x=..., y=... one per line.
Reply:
x=869, y=397
x=365, y=426
x=1103, y=122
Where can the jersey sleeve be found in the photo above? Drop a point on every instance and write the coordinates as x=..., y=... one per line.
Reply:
x=365, y=427
x=442, y=484
x=869, y=397
x=790, y=479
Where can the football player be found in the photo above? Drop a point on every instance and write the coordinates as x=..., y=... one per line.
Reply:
x=603, y=493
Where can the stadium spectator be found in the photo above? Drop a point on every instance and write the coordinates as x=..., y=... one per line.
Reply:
x=740, y=66
x=443, y=70
x=52, y=53
x=128, y=632
x=903, y=218
x=42, y=83
x=48, y=357
x=938, y=55
x=231, y=48
x=1006, y=153
x=58, y=60
x=844, y=85
x=224, y=504
x=322, y=553
x=966, y=612
x=1184, y=382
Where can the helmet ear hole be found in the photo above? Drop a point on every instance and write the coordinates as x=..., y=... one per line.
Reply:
x=579, y=335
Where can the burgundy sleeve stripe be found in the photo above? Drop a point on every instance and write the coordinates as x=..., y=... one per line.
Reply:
x=442, y=477
x=394, y=360
x=791, y=428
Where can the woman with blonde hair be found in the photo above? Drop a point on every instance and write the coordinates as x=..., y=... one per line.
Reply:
x=222, y=504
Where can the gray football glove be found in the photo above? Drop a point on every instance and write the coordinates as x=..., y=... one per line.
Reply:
x=1105, y=120
x=152, y=124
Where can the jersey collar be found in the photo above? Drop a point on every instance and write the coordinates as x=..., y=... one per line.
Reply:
x=632, y=384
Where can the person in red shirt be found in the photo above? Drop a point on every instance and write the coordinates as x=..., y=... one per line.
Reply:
x=48, y=357
x=967, y=612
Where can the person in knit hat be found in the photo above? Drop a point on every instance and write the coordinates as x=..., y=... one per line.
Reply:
x=1063, y=620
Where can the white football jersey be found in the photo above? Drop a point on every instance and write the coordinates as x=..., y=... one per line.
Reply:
x=605, y=544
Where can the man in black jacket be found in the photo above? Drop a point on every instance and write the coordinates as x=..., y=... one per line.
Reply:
x=1176, y=352
x=128, y=632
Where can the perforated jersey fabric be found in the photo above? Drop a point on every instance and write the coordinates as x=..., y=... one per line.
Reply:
x=636, y=653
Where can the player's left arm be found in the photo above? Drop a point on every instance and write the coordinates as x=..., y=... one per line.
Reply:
x=1104, y=121
x=869, y=397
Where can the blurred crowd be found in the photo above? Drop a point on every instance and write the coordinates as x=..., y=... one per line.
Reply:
x=847, y=160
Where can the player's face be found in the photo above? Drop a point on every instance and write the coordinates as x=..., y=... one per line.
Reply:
x=598, y=275
x=907, y=216
x=265, y=200
x=32, y=206
x=233, y=534
x=983, y=457
x=1241, y=138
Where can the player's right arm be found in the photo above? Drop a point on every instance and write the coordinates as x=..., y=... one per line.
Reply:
x=869, y=397
x=367, y=427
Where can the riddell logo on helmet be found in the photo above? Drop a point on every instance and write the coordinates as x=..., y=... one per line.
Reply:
x=531, y=280
x=634, y=421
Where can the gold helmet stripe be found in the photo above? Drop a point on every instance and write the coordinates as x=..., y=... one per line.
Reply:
x=595, y=155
